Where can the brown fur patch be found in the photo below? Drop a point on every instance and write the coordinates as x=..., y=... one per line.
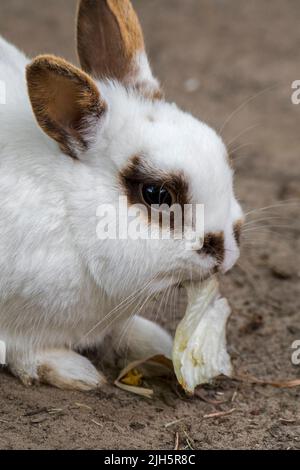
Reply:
x=138, y=172
x=214, y=246
x=109, y=37
x=150, y=93
x=237, y=231
x=65, y=100
x=129, y=25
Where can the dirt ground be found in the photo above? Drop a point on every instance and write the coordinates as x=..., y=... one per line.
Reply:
x=231, y=63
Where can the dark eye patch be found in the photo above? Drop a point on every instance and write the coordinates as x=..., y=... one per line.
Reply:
x=139, y=173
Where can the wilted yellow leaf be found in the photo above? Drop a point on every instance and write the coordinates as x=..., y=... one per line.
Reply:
x=133, y=377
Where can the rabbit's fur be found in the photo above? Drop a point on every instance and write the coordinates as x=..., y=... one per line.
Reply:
x=61, y=288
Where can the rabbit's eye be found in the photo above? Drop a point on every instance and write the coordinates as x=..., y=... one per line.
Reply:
x=156, y=195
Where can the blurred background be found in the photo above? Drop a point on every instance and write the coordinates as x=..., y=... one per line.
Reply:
x=232, y=64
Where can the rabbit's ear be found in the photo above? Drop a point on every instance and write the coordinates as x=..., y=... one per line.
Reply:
x=66, y=103
x=111, y=45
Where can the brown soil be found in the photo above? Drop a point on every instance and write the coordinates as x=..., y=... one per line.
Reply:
x=245, y=56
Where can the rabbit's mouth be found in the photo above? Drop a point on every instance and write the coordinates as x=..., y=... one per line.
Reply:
x=179, y=277
x=198, y=277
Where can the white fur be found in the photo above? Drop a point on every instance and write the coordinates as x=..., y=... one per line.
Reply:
x=57, y=279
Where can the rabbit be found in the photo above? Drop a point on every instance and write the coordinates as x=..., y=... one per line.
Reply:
x=72, y=139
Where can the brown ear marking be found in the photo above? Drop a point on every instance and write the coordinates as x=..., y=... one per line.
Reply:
x=150, y=93
x=65, y=101
x=109, y=38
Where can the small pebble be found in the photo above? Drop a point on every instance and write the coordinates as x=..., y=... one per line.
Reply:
x=191, y=85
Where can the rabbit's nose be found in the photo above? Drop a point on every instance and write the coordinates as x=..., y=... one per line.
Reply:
x=230, y=259
x=214, y=246
x=232, y=252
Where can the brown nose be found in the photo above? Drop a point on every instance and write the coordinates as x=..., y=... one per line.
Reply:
x=214, y=246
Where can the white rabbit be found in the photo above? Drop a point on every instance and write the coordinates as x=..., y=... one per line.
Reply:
x=73, y=141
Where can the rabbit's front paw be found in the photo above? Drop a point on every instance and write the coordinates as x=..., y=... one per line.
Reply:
x=140, y=338
x=63, y=369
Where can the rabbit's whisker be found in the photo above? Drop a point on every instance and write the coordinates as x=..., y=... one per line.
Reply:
x=245, y=103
